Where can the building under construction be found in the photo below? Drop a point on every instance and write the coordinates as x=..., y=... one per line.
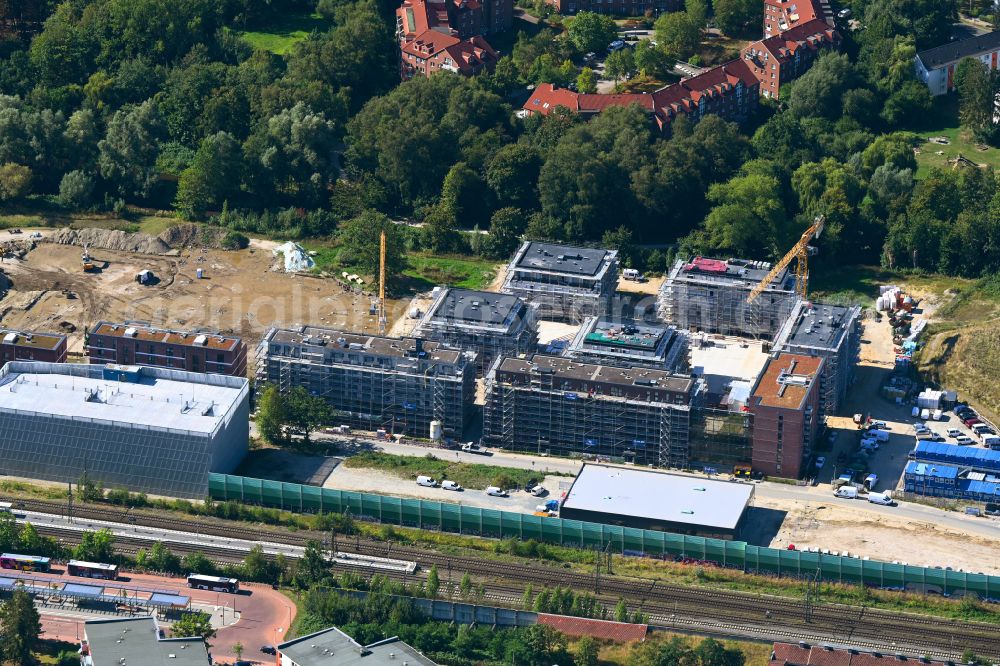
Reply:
x=710, y=295
x=492, y=324
x=549, y=404
x=629, y=344
x=401, y=385
x=565, y=283
x=832, y=332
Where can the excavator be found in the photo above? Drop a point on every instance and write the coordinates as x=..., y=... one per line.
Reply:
x=88, y=262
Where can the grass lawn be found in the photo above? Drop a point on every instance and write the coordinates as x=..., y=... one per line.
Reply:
x=282, y=34
x=426, y=271
x=943, y=122
x=468, y=475
x=26, y=218
x=859, y=284
x=715, y=50
x=647, y=84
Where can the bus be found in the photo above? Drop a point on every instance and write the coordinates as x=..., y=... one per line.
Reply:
x=92, y=570
x=24, y=562
x=214, y=583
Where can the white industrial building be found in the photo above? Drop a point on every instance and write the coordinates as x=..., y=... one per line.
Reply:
x=151, y=430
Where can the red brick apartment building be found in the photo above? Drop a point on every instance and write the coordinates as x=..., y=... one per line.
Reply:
x=786, y=56
x=437, y=35
x=786, y=414
x=730, y=90
x=805, y=654
x=31, y=346
x=136, y=344
x=616, y=7
x=782, y=15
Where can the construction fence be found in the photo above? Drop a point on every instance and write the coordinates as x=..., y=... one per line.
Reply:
x=461, y=519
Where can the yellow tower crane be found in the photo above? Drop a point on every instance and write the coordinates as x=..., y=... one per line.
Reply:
x=799, y=250
x=381, y=284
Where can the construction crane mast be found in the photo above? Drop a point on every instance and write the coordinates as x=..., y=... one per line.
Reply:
x=801, y=251
x=381, y=284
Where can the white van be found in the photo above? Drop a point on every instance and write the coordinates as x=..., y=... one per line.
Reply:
x=450, y=485
x=846, y=492
x=992, y=441
x=426, y=481
x=496, y=492
x=631, y=274
x=878, y=435
x=881, y=498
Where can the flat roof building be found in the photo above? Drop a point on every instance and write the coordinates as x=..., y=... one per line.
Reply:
x=332, y=645
x=629, y=344
x=785, y=404
x=550, y=404
x=646, y=499
x=135, y=343
x=374, y=382
x=710, y=295
x=832, y=332
x=149, y=430
x=491, y=324
x=137, y=642
x=30, y=346
x=566, y=283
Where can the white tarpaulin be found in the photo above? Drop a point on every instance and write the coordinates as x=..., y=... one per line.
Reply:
x=296, y=258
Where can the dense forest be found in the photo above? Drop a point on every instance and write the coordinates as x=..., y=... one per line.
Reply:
x=109, y=103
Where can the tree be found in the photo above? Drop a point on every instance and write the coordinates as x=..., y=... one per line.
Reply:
x=465, y=586
x=197, y=563
x=128, y=151
x=255, y=565
x=76, y=189
x=737, y=16
x=15, y=181
x=621, y=611
x=360, y=238
x=272, y=414
x=512, y=175
x=710, y=652
x=96, y=546
x=506, y=227
x=820, y=91
x=192, y=625
x=976, y=97
x=697, y=10
x=748, y=218
x=621, y=239
x=912, y=100
x=463, y=196
x=586, y=650
x=433, y=582
x=9, y=530
x=586, y=81
x=677, y=34
x=306, y=412
x=20, y=627
x=312, y=567
x=213, y=177
x=620, y=64
x=649, y=59
x=238, y=650
x=590, y=31
x=161, y=559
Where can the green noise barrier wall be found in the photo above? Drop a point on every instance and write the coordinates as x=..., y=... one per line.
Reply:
x=460, y=519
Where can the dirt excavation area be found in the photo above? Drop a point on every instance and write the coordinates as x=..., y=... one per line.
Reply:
x=242, y=292
x=883, y=536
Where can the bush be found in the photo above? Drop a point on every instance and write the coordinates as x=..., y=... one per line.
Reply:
x=76, y=190
x=234, y=240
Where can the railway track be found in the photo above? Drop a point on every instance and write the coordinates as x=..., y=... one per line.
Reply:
x=665, y=604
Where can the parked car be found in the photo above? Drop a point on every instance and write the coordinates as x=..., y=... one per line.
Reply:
x=971, y=421
x=426, y=481
x=820, y=461
x=847, y=492
x=268, y=649
x=451, y=485
x=871, y=481
x=964, y=440
x=880, y=425
x=538, y=491
x=493, y=491
x=920, y=427
x=954, y=432
x=472, y=447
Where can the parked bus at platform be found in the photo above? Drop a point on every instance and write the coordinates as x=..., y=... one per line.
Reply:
x=92, y=570
x=24, y=562
x=214, y=583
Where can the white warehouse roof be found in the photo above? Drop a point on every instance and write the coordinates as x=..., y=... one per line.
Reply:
x=153, y=397
x=659, y=496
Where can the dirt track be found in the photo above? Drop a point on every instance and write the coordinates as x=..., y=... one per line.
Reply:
x=239, y=293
